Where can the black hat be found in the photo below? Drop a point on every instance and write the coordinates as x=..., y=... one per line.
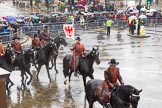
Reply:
x=35, y=35
x=77, y=38
x=113, y=62
x=15, y=38
x=45, y=27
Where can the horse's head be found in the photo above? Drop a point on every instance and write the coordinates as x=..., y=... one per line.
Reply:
x=9, y=53
x=95, y=54
x=126, y=95
x=62, y=41
x=54, y=48
x=134, y=97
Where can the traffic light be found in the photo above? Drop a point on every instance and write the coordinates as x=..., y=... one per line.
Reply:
x=149, y=2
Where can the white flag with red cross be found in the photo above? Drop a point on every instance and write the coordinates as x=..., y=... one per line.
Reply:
x=69, y=30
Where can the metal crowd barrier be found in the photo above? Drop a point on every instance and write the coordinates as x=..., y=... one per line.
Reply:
x=55, y=28
x=6, y=38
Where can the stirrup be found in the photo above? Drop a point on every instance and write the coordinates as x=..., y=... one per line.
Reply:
x=76, y=74
x=109, y=105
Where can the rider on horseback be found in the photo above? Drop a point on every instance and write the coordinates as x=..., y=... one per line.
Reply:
x=112, y=74
x=45, y=36
x=16, y=46
x=36, y=42
x=36, y=45
x=78, y=50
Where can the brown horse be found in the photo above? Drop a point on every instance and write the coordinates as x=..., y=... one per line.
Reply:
x=120, y=97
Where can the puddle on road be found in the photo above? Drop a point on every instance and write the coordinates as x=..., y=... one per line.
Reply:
x=42, y=96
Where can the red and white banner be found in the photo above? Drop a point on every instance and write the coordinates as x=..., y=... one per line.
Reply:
x=69, y=30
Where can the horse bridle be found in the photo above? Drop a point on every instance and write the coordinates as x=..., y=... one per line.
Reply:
x=131, y=96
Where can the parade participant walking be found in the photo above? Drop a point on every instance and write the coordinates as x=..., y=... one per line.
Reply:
x=45, y=36
x=78, y=50
x=138, y=26
x=112, y=74
x=108, y=25
x=133, y=26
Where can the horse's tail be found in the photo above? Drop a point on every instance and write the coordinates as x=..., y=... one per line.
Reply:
x=66, y=67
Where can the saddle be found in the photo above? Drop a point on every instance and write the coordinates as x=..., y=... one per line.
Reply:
x=103, y=92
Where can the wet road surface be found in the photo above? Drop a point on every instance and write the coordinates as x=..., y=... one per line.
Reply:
x=140, y=65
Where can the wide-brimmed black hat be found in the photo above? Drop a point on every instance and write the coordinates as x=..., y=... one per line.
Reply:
x=35, y=35
x=45, y=27
x=77, y=38
x=15, y=38
x=113, y=62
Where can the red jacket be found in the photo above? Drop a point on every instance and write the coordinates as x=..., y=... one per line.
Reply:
x=112, y=75
x=1, y=50
x=77, y=48
x=36, y=43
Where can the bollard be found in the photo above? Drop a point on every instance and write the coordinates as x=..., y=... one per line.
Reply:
x=3, y=101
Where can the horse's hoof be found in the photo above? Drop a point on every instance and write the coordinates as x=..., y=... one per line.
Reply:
x=57, y=71
x=65, y=82
x=28, y=83
x=9, y=92
x=50, y=80
x=37, y=79
x=12, y=83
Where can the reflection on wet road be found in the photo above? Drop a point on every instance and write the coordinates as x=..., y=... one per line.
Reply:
x=140, y=65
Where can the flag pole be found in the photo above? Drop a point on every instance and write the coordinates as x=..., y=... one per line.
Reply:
x=74, y=51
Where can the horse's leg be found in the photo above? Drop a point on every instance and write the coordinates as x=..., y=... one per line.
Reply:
x=22, y=76
x=47, y=67
x=55, y=64
x=35, y=65
x=70, y=76
x=31, y=76
x=91, y=76
x=52, y=63
x=84, y=81
x=66, y=75
x=7, y=83
x=91, y=105
x=39, y=67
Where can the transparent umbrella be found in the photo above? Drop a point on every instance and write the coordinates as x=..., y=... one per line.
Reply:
x=142, y=16
x=143, y=9
x=120, y=11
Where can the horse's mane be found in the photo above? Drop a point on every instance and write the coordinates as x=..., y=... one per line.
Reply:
x=27, y=53
x=47, y=47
